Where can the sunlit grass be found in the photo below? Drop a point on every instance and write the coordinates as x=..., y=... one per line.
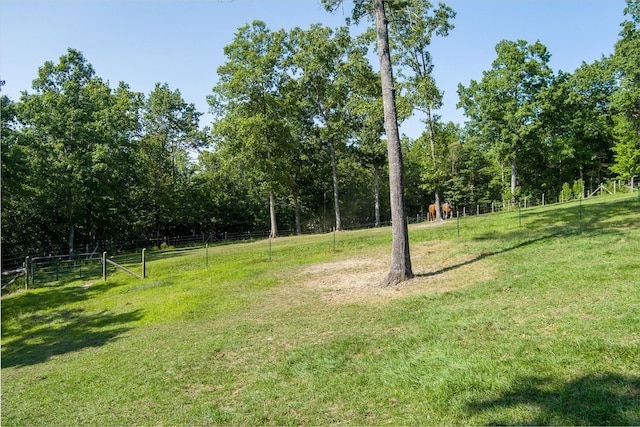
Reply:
x=513, y=318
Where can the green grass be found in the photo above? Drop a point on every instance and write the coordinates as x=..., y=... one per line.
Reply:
x=529, y=318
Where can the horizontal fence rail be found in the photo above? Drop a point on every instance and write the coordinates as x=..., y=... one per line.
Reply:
x=69, y=267
x=87, y=263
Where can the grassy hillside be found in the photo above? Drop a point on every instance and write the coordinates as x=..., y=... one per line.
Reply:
x=528, y=317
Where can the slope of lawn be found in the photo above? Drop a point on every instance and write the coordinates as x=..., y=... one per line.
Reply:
x=529, y=317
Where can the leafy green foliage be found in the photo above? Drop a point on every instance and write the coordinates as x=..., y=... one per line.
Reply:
x=626, y=101
x=248, y=101
x=577, y=125
x=329, y=65
x=299, y=115
x=578, y=189
x=566, y=192
x=412, y=28
x=17, y=236
x=78, y=140
x=169, y=130
x=504, y=106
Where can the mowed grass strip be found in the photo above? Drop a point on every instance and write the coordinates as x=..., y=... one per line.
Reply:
x=529, y=317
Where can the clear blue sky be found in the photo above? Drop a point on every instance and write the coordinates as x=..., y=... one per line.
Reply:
x=181, y=42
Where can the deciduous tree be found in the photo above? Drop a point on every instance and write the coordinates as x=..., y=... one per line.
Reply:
x=17, y=232
x=576, y=127
x=503, y=106
x=79, y=139
x=321, y=63
x=169, y=131
x=626, y=100
x=400, y=269
x=412, y=29
x=248, y=103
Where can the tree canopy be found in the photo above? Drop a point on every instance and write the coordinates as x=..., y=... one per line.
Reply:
x=305, y=137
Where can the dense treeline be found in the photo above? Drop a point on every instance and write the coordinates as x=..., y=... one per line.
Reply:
x=298, y=137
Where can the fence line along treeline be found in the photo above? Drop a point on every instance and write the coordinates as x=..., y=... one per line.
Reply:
x=84, y=162
x=34, y=271
x=14, y=261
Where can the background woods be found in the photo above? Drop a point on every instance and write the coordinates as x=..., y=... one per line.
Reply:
x=298, y=143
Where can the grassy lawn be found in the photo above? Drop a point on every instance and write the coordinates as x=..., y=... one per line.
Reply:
x=529, y=317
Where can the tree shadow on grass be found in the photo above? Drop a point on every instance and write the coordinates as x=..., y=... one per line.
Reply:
x=591, y=216
x=486, y=254
x=568, y=220
x=607, y=399
x=38, y=325
x=517, y=236
x=50, y=297
x=62, y=332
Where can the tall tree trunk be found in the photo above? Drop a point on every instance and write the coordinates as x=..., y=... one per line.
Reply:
x=296, y=207
x=376, y=191
x=400, y=257
x=336, y=199
x=432, y=142
x=72, y=232
x=513, y=181
x=432, y=139
x=157, y=219
x=272, y=200
x=71, y=237
x=272, y=214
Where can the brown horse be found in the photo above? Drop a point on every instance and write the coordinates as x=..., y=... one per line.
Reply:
x=447, y=211
x=432, y=212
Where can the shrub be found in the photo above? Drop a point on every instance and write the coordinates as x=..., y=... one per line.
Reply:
x=565, y=195
x=578, y=189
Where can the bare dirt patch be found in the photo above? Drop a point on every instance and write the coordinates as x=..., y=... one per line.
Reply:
x=438, y=267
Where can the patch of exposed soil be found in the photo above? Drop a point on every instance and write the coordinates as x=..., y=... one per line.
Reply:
x=437, y=267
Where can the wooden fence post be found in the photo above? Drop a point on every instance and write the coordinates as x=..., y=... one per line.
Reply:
x=104, y=265
x=144, y=263
x=519, y=216
x=26, y=273
x=581, y=208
